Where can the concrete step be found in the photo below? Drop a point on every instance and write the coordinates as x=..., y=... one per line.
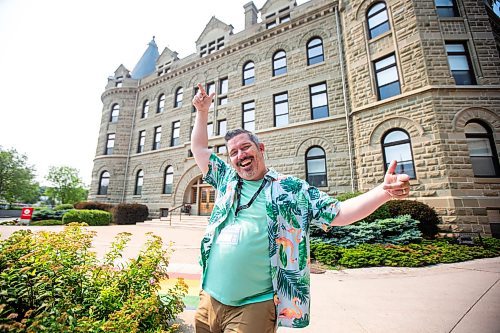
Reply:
x=185, y=221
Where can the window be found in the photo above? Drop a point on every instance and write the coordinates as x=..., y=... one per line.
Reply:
x=103, y=183
x=195, y=91
x=316, y=167
x=397, y=146
x=211, y=47
x=460, y=65
x=210, y=89
x=249, y=116
x=248, y=73
x=315, y=51
x=386, y=73
x=142, y=140
x=157, y=138
x=110, y=144
x=210, y=129
x=446, y=8
x=145, y=109
x=221, y=149
x=222, y=127
x=178, y=97
x=279, y=63
x=280, y=109
x=161, y=104
x=482, y=151
x=223, y=88
x=139, y=180
x=378, y=21
x=168, y=180
x=115, y=112
x=176, y=128
x=319, y=101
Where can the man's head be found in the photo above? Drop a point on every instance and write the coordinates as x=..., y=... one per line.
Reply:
x=246, y=154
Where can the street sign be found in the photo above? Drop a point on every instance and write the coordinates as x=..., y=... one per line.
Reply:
x=26, y=213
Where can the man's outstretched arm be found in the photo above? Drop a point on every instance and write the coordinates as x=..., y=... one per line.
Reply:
x=355, y=209
x=199, y=136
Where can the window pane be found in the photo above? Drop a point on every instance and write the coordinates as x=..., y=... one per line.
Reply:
x=316, y=166
x=458, y=62
x=318, y=88
x=313, y=152
x=455, y=48
x=319, y=100
x=483, y=166
x=389, y=90
x=399, y=153
x=387, y=76
x=281, y=108
x=222, y=127
x=391, y=60
x=479, y=147
x=444, y=3
x=377, y=19
x=320, y=112
x=395, y=136
x=248, y=106
x=248, y=116
x=475, y=128
x=280, y=63
x=314, y=42
x=250, y=126
x=316, y=60
x=315, y=51
x=223, y=86
x=282, y=120
x=376, y=8
x=379, y=30
x=463, y=77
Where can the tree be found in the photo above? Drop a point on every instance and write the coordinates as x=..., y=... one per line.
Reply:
x=67, y=187
x=17, y=182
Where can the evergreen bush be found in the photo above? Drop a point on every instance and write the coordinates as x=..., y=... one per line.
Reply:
x=130, y=213
x=64, y=207
x=91, y=217
x=48, y=214
x=94, y=205
x=398, y=230
x=419, y=211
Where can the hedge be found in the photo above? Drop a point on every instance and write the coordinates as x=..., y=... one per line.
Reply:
x=94, y=205
x=129, y=213
x=91, y=217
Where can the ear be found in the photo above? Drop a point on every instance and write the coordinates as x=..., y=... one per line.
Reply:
x=261, y=147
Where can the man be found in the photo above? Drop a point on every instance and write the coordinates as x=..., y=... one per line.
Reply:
x=255, y=253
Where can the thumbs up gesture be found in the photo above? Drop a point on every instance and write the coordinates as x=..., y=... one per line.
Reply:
x=397, y=186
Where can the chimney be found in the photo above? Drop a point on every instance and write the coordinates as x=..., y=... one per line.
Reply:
x=250, y=14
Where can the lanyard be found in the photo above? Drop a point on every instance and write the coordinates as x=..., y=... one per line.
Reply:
x=240, y=207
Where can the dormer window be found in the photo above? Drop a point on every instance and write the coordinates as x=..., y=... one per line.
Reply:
x=164, y=69
x=119, y=81
x=211, y=47
x=281, y=16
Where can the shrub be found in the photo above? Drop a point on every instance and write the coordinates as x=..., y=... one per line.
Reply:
x=47, y=222
x=129, y=213
x=419, y=211
x=53, y=282
x=94, y=205
x=429, y=252
x=398, y=230
x=91, y=217
x=47, y=214
x=64, y=207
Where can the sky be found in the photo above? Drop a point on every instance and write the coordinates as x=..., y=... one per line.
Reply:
x=56, y=55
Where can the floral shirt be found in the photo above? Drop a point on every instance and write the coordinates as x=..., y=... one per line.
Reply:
x=291, y=205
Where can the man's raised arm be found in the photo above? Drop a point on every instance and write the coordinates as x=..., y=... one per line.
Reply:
x=199, y=136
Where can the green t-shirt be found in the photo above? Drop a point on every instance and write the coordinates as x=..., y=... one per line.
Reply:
x=238, y=269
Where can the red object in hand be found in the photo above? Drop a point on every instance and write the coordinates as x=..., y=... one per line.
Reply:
x=26, y=213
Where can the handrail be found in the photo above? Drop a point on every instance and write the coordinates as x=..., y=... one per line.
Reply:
x=180, y=212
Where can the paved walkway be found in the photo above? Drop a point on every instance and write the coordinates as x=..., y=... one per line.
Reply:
x=458, y=298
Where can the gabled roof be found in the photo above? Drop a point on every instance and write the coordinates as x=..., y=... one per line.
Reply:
x=274, y=5
x=147, y=63
x=214, y=24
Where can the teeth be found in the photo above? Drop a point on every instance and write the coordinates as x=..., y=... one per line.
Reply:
x=245, y=163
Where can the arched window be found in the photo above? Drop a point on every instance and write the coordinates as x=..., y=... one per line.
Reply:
x=315, y=51
x=248, y=73
x=139, y=180
x=103, y=183
x=279, y=63
x=145, y=109
x=378, y=21
x=161, y=104
x=115, y=112
x=168, y=180
x=179, y=93
x=316, y=167
x=397, y=146
x=482, y=151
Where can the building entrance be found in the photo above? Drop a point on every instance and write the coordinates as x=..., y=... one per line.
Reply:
x=207, y=200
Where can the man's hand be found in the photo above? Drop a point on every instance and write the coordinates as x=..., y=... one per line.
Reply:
x=201, y=100
x=397, y=186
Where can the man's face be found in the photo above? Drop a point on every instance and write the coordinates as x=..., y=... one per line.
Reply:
x=246, y=157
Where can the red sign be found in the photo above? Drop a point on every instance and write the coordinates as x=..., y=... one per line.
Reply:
x=26, y=213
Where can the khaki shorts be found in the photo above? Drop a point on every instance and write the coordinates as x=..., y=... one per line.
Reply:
x=215, y=317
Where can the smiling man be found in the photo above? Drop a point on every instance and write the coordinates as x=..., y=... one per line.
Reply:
x=255, y=253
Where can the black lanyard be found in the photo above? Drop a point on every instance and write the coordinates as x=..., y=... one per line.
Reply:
x=238, y=193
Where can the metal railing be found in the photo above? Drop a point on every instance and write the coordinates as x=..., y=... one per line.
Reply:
x=185, y=207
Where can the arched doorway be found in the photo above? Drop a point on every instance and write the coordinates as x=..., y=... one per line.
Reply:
x=203, y=196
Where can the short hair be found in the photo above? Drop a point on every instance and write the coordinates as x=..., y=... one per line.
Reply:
x=233, y=133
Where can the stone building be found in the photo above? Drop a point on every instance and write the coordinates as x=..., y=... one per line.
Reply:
x=335, y=90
